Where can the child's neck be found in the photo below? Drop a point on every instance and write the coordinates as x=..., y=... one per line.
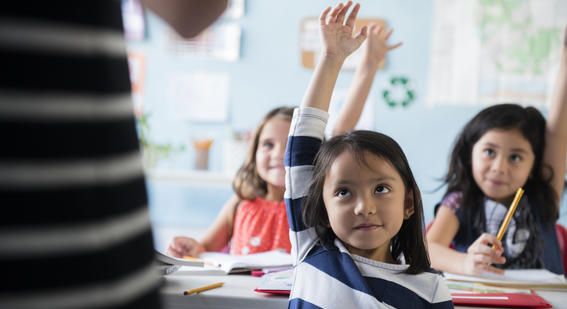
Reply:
x=377, y=254
x=274, y=193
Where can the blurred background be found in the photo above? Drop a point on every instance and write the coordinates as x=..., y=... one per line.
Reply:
x=198, y=101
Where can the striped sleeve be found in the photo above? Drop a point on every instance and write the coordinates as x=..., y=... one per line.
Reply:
x=75, y=228
x=305, y=137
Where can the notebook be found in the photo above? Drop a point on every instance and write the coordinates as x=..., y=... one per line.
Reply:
x=276, y=282
x=167, y=264
x=216, y=263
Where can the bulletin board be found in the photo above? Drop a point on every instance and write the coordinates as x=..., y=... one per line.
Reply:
x=310, y=42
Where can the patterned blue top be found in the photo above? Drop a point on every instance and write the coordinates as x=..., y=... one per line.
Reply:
x=335, y=278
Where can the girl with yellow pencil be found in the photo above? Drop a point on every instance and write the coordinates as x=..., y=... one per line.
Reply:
x=503, y=148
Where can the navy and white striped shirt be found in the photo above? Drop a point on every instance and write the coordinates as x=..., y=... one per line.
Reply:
x=74, y=222
x=334, y=278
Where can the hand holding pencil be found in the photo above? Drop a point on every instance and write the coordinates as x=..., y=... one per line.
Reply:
x=487, y=249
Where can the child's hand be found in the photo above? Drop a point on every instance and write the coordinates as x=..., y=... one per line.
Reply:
x=376, y=47
x=480, y=256
x=182, y=246
x=337, y=34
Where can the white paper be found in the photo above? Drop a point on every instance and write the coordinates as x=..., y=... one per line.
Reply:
x=200, y=96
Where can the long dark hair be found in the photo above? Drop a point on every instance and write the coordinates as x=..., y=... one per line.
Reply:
x=409, y=239
x=247, y=184
x=531, y=124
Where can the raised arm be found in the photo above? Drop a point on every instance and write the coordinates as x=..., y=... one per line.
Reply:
x=338, y=43
x=556, y=131
x=308, y=124
x=375, y=51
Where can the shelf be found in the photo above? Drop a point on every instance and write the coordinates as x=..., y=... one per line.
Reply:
x=190, y=178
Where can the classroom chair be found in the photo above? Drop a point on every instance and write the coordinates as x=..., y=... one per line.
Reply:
x=562, y=240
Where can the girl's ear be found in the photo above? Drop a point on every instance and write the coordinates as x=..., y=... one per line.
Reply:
x=408, y=207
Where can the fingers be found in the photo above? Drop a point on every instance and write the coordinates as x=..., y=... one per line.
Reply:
x=323, y=17
x=342, y=13
x=495, y=270
x=388, y=33
x=361, y=35
x=486, y=239
x=334, y=13
x=171, y=251
x=352, y=16
x=395, y=46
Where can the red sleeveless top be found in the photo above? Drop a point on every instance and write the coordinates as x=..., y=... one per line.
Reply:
x=260, y=226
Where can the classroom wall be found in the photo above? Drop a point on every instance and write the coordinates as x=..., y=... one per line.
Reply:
x=269, y=74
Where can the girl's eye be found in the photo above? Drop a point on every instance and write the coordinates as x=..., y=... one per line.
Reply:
x=489, y=152
x=342, y=193
x=381, y=190
x=268, y=144
x=515, y=158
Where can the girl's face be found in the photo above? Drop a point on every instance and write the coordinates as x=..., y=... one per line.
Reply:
x=270, y=152
x=501, y=163
x=366, y=204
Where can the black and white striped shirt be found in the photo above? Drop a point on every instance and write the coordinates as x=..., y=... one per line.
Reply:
x=74, y=223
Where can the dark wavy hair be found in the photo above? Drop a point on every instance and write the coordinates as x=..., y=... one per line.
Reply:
x=409, y=239
x=531, y=124
x=247, y=184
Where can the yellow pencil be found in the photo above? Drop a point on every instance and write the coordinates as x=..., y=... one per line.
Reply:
x=203, y=288
x=510, y=213
x=187, y=257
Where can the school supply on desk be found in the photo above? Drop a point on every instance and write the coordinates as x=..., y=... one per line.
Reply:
x=229, y=264
x=267, y=270
x=203, y=288
x=501, y=300
x=530, y=278
x=276, y=282
x=167, y=264
x=510, y=213
x=478, y=294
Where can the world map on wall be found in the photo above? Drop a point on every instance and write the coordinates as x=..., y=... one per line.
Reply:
x=491, y=51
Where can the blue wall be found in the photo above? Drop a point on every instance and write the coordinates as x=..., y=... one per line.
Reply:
x=269, y=74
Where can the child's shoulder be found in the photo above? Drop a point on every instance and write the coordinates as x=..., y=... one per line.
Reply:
x=453, y=200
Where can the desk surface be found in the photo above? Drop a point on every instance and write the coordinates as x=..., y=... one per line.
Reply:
x=238, y=292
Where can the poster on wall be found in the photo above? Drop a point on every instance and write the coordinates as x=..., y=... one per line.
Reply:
x=199, y=97
x=221, y=41
x=486, y=52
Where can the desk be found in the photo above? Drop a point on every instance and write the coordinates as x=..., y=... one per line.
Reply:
x=238, y=292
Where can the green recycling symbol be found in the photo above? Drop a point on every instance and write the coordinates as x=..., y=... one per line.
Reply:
x=398, y=91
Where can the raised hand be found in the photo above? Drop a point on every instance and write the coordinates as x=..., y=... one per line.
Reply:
x=182, y=246
x=480, y=256
x=336, y=33
x=376, y=44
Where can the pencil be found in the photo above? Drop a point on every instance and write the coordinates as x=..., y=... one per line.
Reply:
x=187, y=257
x=203, y=288
x=510, y=213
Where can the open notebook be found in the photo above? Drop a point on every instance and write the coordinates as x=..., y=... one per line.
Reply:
x=216, y=263
x=167, y=264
